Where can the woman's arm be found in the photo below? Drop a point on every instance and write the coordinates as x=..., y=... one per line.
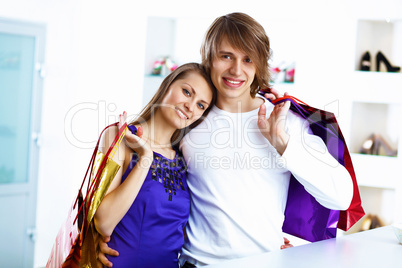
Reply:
x=120, y=196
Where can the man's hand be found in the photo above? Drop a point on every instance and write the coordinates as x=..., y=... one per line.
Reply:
x=105, y=250
x=274, y=94
x=273, y=128
x=287, y=243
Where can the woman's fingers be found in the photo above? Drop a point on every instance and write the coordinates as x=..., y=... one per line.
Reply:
x=122, y=119
x=140, y=131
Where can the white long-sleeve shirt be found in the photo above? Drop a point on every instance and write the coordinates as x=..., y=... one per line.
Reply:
x=239, y=184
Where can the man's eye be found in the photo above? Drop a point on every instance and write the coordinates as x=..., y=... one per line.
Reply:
x=186, y=92
x=201, y=106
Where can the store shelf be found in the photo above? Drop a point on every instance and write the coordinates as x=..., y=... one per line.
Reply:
x=379, y=119
x=376, y=108
x=379, y=35
x=382, y=172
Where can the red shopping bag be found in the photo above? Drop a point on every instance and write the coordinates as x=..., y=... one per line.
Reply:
x=75, y=242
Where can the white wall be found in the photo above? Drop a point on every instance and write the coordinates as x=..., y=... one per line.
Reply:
x=95, y=60
x=53, y=177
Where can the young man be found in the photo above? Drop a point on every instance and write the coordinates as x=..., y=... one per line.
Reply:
x=241, y=157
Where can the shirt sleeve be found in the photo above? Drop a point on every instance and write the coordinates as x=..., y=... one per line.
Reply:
x=307, y=157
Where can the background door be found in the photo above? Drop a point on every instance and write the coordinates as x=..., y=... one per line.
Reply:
x=21, y=58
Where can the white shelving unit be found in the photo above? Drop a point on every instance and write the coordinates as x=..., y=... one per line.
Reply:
x=379, y=35
x=376, y=108
x=159, y=44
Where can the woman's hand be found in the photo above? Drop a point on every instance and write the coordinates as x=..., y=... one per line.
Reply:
x=136, y=142
x=273, y=128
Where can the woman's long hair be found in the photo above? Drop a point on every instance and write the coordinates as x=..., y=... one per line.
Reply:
x=154, y=104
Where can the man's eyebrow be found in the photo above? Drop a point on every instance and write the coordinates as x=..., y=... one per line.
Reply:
x=224, y=52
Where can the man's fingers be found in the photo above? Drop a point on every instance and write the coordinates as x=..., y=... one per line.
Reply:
x=287, y=105
x=262, y=116
x=104, y=248
x=102, y=258
x=105, y=238
x=270, y=96
x=287, y=243
x=273, y=94
x=262, y=111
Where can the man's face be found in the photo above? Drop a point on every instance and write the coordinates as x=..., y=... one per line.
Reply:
x=232, y=73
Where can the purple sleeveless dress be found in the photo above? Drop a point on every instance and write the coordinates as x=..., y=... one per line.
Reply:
x=150, y=235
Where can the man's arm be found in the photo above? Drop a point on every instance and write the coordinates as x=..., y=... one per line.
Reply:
x=306, y=156
x=310, y=162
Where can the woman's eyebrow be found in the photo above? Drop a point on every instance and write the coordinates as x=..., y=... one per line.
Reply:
x=195, y=93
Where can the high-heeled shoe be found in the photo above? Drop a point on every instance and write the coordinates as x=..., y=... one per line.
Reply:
x=380, y=57
x=372, y=146
x=365, y=62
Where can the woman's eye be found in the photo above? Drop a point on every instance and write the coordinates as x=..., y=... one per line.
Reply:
x=248, y=60
x=186, y=92
x=201, y=106
x=226, y=57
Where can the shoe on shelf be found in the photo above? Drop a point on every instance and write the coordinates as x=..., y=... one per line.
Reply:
x=372, y=146
x=381, y=58
x=365, y=62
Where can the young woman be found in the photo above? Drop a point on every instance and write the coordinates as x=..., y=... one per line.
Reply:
x=148, y=203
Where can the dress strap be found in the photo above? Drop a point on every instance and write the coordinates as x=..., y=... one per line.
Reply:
x=133, y=129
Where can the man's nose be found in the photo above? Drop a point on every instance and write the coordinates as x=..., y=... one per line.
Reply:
x=235, y=68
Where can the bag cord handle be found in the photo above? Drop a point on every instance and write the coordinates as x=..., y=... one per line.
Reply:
x=117, y=139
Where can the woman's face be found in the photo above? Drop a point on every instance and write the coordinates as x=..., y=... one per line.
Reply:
x=186, y=100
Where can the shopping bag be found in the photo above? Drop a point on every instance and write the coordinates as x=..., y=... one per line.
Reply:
x=75, y=244
x=304, y=216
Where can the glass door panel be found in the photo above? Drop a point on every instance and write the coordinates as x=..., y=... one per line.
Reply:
x=16, y=78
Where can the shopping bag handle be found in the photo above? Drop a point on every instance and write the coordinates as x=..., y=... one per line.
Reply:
x=117, y=139
x=298, y=105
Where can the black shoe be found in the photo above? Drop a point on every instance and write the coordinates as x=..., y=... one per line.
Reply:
x=380, y=57
x=365, y=62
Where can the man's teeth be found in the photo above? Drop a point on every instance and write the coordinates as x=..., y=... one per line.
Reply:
x=180, y=113
x=233, y=82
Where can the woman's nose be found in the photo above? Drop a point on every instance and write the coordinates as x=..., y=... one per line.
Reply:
x=189, y=105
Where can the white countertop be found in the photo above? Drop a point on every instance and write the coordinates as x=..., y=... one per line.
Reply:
x=374, y=248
